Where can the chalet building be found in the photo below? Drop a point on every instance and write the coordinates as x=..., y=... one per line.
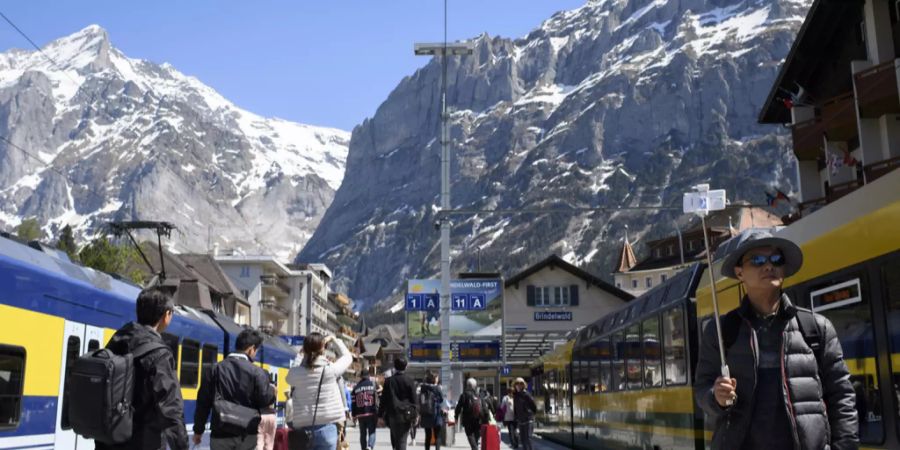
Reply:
x=838, y=93
x=669, y=255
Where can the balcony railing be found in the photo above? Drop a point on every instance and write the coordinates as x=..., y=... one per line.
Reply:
x=839, y=190
x=876, y=91
x=808, y=139
x=272, y=305
x=839, y=117
x=873, y=171
x=268, y=329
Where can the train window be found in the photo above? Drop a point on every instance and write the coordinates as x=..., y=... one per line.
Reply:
x=12, y=375
x=652, y=353
x=605, y=368
x=73, y=350
x=93, y=344
x=675, y=368
x=845, y=301
x=172, y=341
x=618, y=364
x=190, y=362
x=210, y=358
x=633, y=368
x=890, y=274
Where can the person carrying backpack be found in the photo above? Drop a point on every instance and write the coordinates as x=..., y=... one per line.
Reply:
x=398, y=406
x=158, y=409
x=431, y=414
x=470, y=408
x=235, y=387
x=789, y=386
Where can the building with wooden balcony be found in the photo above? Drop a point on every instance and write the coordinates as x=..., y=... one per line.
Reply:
x=837, y=91
x=273, y=290
x=314, y=297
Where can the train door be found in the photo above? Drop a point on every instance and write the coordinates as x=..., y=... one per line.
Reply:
x=77, y=340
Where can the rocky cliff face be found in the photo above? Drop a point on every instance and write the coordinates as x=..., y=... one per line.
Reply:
x=617, y=103
x=110, y=137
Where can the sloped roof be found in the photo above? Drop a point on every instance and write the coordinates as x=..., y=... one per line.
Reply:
x=627, y=259
x=210, y=270
x=555, y=261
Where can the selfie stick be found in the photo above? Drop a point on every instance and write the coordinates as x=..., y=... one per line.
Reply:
x=700, y=203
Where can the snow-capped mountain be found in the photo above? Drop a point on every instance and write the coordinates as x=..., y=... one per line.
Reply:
x=616, y=103
x=130, y=139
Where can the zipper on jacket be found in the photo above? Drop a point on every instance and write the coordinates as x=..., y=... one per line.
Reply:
x=787, y=396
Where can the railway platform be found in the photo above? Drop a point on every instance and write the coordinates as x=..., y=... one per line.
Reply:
x=383, y=441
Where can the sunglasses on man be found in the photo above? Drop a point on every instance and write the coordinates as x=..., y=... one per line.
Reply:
x=776, y=259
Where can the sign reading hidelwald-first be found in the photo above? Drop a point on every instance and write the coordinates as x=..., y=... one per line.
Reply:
x=475, y=308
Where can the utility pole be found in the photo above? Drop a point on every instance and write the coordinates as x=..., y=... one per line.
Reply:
x=443, y=50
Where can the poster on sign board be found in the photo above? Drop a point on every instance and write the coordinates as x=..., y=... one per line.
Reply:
x=475, y=308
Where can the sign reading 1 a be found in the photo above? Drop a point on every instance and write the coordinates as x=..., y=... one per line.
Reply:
x=423, y=302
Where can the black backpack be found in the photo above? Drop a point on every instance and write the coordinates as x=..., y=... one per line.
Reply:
x=100, y=390
x=427, y=403
x=731, y=323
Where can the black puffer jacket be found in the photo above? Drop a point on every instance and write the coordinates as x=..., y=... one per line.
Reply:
x=158, y=406
x=821, y=405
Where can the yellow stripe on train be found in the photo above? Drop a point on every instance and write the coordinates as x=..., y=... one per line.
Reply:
x=670, y=400
x=43, y=354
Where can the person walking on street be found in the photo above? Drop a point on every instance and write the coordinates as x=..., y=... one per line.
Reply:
x=365, y=408
x=317, y=400
x=508, y=416
x=789, y=386
x=524, y=407
x=289, y=408
x=235, y=380
x=469, y=407
x=158, y=407
x=431, y=413
x=398, y=406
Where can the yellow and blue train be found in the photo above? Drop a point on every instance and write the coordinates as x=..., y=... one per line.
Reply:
x=625, y=382
x=52, y=311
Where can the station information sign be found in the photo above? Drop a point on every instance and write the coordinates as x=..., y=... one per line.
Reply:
x=477, y=351
x=425, y=351
x=476, y=309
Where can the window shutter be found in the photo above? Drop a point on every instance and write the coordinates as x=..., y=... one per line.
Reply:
x=573, y=295
x=530, y=296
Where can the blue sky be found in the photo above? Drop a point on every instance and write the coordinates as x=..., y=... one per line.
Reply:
x=326, y=62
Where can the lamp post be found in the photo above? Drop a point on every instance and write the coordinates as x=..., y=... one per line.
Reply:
x=444, y=49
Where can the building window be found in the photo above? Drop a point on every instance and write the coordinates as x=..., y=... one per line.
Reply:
x=12, y=375
x=245, y=271
x=551, y=296
x=671, y=250
x=657, y=253
x=691, y=245
x=663, y=278
x=634, y=284
x=245, y=293
x=649, y=281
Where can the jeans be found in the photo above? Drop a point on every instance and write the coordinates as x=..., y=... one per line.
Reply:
x=436, y=432
x=399, y=434
x=525, y=431
x=367, y=426
x=513, y=431
x=324, y=437
x=247, y=442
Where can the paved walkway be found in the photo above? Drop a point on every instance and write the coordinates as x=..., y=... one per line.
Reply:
x=383, y=441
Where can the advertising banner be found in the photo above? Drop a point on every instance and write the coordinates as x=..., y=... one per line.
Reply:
x=476, y=309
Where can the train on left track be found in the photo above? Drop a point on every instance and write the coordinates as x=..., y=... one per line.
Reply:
x=53, y=310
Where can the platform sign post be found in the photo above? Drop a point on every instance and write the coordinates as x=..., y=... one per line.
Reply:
x=701, y=202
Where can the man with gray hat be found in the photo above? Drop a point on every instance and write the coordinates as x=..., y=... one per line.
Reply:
x=789, y=385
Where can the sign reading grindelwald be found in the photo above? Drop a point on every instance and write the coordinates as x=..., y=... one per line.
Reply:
x=547, y=316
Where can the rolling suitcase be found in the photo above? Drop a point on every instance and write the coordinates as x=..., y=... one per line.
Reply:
x=281, y=439
x=490, y=437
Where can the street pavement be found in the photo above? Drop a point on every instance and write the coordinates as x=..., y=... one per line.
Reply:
x=383, y=441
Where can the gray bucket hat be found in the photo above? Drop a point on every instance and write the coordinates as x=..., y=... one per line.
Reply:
x=735, y=248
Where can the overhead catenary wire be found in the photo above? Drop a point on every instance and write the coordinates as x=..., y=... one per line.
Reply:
x=36, y=47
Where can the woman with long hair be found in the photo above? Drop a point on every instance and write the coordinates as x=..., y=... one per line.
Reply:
x=317, y=401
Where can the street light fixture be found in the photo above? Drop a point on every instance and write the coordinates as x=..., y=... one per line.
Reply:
x=444, y=49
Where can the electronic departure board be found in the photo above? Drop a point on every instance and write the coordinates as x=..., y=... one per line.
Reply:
x=835, y=296
x=424, y=351
x=478, y=351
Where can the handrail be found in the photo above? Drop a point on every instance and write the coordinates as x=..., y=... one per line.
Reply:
x=875, y=69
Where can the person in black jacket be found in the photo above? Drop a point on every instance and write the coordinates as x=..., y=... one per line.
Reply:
x=782, y=393
x=239, y=381
x=469, y=407
x=524, y=407
x=398, y=406
x=158, y=406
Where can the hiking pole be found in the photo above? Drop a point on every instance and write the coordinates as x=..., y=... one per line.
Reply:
x=700, y=203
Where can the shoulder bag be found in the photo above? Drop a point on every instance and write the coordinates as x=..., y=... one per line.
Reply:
x=303, y=439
